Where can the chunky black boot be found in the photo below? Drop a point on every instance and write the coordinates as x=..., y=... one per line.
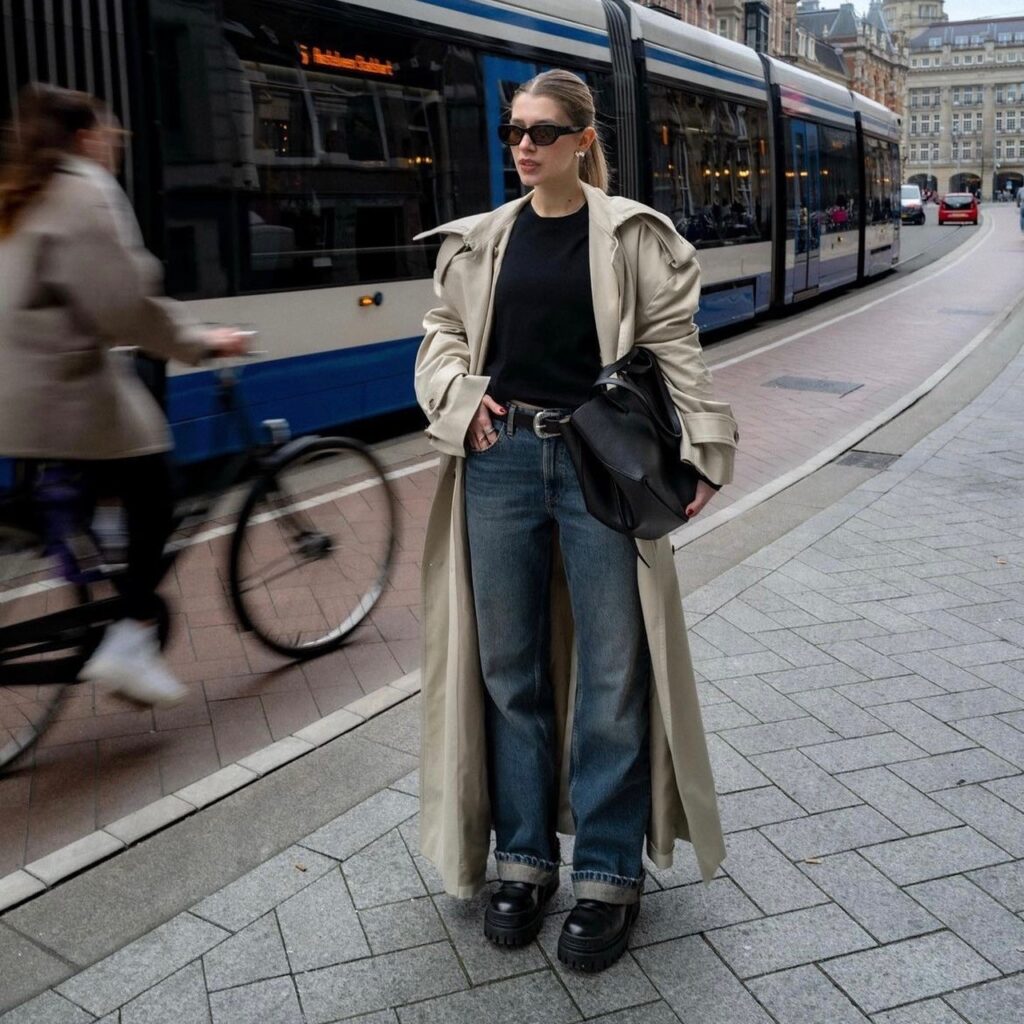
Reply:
x=595, y=934
x=516, y=912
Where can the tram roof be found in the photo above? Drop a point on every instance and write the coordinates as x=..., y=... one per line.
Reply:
x=697, y=57
x=877, y=119
x=806, y=95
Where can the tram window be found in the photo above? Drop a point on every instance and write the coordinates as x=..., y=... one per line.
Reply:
x=711, y=167
x=302, y=150
x=881, y=181
x=838, y=175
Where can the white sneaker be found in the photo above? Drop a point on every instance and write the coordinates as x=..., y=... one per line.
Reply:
x=128, y=661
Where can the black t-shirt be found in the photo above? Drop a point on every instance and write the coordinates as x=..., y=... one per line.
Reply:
x=543, y=348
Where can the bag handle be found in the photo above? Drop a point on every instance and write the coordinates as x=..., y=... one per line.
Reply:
x=673, y=428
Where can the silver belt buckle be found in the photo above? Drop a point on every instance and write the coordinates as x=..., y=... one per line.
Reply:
x=541, y=418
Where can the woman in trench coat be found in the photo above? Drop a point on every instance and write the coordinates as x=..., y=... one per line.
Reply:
x=643, y=290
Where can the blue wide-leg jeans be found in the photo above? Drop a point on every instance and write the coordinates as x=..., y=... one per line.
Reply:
x=523, y=497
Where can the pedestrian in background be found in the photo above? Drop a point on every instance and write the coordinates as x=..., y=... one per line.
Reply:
x=75, y=282
x=557, y=685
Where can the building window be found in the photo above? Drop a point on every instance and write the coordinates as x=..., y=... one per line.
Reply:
x=723, y=27
x=999, y=120
x=755, y=25
x=1011, y=120
x=956, y=122
x=1005, y=37
x=956, y=96
x=913, y=152
x=968, y=59
x=956, y=58
x=999, y=148
x=1011, y=149
x=913, y=124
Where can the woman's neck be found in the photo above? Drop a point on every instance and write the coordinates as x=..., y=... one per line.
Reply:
x=558, y=199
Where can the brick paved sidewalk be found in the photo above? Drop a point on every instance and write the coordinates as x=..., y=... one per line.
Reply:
x=863, y=683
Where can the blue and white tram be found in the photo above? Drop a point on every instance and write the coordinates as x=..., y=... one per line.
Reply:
x=285, y=152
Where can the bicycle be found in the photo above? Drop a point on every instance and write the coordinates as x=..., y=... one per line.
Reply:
x=310, y=552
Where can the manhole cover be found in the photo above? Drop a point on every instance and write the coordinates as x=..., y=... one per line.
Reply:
x=832, y=387
x=867, y=460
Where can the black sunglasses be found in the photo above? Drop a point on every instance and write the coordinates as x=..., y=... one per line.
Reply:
x=540, y=134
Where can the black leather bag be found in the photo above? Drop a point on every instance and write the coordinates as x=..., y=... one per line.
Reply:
x=624, y=443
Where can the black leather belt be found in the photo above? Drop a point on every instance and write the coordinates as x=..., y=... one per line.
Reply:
x=545, y=423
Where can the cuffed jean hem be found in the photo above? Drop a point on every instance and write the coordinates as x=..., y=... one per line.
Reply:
x=517, y=867
x=597, y=885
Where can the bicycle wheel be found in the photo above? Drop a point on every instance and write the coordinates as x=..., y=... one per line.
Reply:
x=43, y=642
x=312, y=549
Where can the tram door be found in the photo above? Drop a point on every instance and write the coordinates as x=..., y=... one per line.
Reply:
x=804, y=201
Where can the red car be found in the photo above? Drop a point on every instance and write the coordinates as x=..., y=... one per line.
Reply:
x=958, y=208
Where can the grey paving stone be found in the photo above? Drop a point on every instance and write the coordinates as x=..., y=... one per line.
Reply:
x=697, y=985
x=788, y=940
x=993, y=818
x=651, y=1013
x=981, y=654
x=996, y=933
x=863, y=752
x=795, y=649
x=263, y=888
x=997, y=736
x=482, y=960
x=533, y=999
x=361, y=825
x=320, y=926
x=754, y=807
x=799, y=777
x=381, y=1017
x=47, y=1008
x=804, y=995
x=831, y=832
x=741, y=665
x=900, y=802
x=383, y=872
x=1011, y=790
x=869, y=897
x=943, y=771
x=1005, y=882
x=841, y=715
x=726, y=715
x=766, y=876
x=732, y=770
x=254, y=954
x=786, y=735
x=409, y=784
x=905, y=971
x=141, y=964
x=689, y=909
x=796, y=680
x=745, y=617
x=922, y=728
x=260, y=1003
x=908, y=643
x=885, y=691
x=620, y=986
x=832, y=632
x=995, y=1003
x=945, y=675
x=920, y=858
x=931, y=1011
x=761, y=700
x=864, y=660
x=181, y=999
x=969, y=704
x=725, y=637
x=401, y=925
x=380, y=982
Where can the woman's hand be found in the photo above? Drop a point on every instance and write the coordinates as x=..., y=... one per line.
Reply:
x=481, y=434
x=705, y=492
x=223, y=342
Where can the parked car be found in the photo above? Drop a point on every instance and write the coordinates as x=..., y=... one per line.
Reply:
x=911, y=204
x=958, y=208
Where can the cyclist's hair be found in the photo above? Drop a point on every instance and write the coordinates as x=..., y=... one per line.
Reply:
x=576, y=99
x=43, y=134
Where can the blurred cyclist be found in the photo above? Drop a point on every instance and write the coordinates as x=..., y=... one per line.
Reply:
x=75, y=282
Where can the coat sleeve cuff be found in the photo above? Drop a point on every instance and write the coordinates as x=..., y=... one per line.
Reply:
x=450, y=418
x=709, y=445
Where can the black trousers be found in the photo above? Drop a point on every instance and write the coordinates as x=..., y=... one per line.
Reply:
x=143, y=485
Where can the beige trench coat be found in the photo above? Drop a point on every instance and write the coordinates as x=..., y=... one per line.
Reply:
x=646, y=284
x=73, y=284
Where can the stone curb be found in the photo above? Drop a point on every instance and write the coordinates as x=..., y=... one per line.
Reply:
x=55, y=867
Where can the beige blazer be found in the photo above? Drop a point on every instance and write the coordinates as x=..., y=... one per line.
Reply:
x=72, y=286
x=646, y=284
